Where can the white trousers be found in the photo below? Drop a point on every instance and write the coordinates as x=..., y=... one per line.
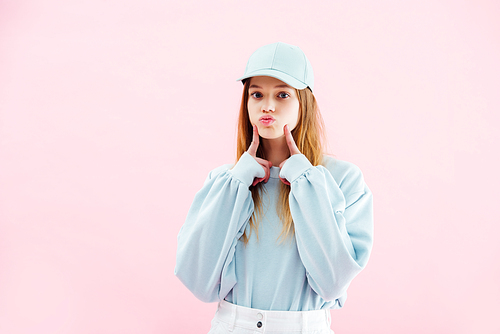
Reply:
x=234, y=319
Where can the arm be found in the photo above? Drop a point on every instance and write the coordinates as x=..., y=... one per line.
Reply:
x=333, y=224
x=216, y=220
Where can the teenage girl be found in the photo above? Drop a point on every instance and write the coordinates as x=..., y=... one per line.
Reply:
x=277, y=237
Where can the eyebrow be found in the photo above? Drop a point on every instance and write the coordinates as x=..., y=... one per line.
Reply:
x=279, y=86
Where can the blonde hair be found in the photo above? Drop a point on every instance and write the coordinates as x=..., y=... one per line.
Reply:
x=309, y=137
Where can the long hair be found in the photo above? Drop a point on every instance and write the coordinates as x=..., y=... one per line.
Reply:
x=309, y=137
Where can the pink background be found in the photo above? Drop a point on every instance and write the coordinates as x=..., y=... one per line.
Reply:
x=113, y=113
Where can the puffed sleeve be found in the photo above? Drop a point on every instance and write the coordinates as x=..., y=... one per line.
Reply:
x=216, y=220
x=333, y=222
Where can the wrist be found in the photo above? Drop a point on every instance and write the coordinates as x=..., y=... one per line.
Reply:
x=294, y=167
x=247, y=169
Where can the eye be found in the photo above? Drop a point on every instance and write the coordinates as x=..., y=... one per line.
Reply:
x=283, y=95
x=256, y=95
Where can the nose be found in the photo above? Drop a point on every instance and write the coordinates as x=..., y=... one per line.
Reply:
x=267, y=108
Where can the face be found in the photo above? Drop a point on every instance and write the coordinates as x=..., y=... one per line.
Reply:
x=271, y=105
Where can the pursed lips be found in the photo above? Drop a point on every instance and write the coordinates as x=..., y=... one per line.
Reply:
x=267, y=118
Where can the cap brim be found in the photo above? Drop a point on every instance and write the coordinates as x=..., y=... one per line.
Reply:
x=289, y=80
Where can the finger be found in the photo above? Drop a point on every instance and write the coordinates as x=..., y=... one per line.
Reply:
x=262, y=179
x=268, y=174
x=267, y=168
x=282, y=163
x=285, y=181
x=252, y=150
x=256, y=180
x=270, y=164
x=290, y=142
x=265, y=165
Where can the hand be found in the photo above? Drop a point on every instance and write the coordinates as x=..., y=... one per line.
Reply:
x=291, y=146
x=252, y=150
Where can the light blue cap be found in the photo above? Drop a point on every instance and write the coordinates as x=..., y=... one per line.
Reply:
x=281, y=61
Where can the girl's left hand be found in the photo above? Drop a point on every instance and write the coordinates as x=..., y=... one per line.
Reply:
x=291, y=146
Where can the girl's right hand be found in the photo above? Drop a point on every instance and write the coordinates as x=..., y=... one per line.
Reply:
x=252, y=150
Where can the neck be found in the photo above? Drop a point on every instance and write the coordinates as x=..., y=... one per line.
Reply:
x=276, y=150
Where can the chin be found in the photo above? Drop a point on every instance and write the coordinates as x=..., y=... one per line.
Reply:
x=270, y=134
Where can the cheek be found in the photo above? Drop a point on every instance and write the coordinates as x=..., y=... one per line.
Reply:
x=251, y=107
x=251, y=113
x=294, y=113
x=254, y=107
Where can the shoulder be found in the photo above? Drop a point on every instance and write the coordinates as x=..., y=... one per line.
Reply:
x=347, y=175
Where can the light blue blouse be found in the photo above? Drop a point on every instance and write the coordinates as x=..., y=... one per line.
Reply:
x=332, y=210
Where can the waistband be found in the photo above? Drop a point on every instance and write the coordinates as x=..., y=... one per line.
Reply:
x=262, y=321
